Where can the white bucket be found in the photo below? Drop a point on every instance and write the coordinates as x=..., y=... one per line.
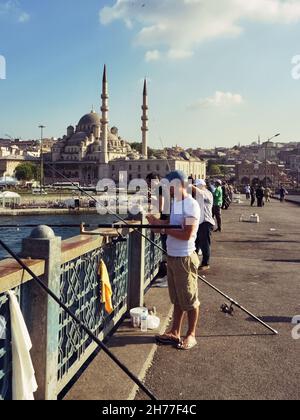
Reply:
x=135, y=315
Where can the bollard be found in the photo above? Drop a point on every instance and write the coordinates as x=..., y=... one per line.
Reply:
x=43, y=311
x=136, y=263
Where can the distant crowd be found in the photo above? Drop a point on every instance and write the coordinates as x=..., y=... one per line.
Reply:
x=262, y=195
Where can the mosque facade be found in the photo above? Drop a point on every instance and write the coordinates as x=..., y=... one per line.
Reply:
x=92, y=150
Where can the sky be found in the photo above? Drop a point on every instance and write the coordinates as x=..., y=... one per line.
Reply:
x=220, y=72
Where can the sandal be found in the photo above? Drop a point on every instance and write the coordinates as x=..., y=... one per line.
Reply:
x=187, y=345
x=167, y=339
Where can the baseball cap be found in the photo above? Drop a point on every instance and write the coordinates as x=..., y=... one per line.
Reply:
x=200, y=183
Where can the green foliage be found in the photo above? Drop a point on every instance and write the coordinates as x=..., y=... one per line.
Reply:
x=213, y=169
x=27, y=172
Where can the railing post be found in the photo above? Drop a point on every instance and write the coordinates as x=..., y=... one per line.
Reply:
x=136, y=262
x=43, y=313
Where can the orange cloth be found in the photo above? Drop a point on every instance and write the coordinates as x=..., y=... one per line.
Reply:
x=106, y=290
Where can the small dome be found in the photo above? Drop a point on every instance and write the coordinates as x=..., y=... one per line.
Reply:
x=78, y=138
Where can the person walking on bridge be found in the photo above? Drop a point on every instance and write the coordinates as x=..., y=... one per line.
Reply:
x=260, y=194
x=183, y=262
x=207, y=223
x=283, y=193
x=218, y=203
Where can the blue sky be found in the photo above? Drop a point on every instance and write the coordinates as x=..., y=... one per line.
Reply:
x=219, y=70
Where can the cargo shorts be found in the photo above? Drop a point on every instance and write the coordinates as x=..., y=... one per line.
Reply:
x=183, y=281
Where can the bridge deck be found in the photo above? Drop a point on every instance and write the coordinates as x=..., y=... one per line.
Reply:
x=258, y=264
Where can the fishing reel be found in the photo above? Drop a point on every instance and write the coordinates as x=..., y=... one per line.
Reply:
x=228, y=310
x=119, y=239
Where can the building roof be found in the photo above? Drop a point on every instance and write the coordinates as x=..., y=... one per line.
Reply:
x=9, y=194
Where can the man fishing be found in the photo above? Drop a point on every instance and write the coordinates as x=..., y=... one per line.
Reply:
x=183, y=262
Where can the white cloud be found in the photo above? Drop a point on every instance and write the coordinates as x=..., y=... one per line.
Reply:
x=179, y=54
x=176, y=27
x=11, y=9
x=153, y=55
x=219, y=100
x=24, y=17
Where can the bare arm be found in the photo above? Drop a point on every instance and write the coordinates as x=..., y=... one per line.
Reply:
x=188, y=230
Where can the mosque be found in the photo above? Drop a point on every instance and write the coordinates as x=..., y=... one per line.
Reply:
x=92, y=150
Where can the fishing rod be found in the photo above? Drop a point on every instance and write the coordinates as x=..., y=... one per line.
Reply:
x=90, y=226
x=233, y=302
x=80, y=324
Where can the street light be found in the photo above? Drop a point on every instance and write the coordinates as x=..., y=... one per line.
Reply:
x=266, y=165
x=42, y=159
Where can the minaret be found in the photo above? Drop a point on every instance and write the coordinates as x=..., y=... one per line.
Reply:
x=145, y=120
x=104, y=118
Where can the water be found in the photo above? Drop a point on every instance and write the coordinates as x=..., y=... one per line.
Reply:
x=13, y=237
x=294, y=198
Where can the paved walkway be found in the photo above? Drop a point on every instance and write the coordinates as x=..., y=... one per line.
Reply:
x=258, y=264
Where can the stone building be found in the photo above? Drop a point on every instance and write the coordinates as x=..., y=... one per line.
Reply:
x=92, y=151
x=258, y=172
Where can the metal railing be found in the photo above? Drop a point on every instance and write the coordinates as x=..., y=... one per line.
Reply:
x=76, y=280
x=80, y=290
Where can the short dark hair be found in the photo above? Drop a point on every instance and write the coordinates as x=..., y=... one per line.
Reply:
x=152, y=176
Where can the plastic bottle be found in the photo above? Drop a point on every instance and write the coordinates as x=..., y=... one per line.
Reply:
x=144, y=321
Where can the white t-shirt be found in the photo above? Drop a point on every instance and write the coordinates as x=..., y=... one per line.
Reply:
x=206, y=201
x=181, y=212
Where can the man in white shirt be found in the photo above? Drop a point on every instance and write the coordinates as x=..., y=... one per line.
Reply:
x=183, y=262
x=207, y=223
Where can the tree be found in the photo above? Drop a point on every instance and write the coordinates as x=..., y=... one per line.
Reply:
x=27, y=172
x=214, y=169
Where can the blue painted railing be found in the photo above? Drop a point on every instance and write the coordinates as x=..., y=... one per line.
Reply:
x=80, y=291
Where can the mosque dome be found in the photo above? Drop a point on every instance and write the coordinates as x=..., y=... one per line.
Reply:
x=88, y=121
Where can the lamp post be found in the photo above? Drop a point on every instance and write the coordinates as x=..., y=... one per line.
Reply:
x=42, y=159
x=266, y=160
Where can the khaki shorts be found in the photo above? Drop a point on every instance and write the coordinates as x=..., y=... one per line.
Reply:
x=183, y=281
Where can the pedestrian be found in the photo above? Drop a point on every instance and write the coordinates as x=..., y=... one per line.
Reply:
x=248, y=192
x=253, y=195
x=218, y=203
x=207, y=223
x=226, y=197
x=260, y=194
x=183, y=262
x=283, y=193
x=268, y=193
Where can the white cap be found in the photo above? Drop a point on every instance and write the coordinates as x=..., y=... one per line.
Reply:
x=200, y=183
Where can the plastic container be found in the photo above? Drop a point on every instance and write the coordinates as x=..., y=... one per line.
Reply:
x=153, y=322
x=254, y=218
x=144, y=321
x=135, y=315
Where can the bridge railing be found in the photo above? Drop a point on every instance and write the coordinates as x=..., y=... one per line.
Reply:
x=71, y=269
